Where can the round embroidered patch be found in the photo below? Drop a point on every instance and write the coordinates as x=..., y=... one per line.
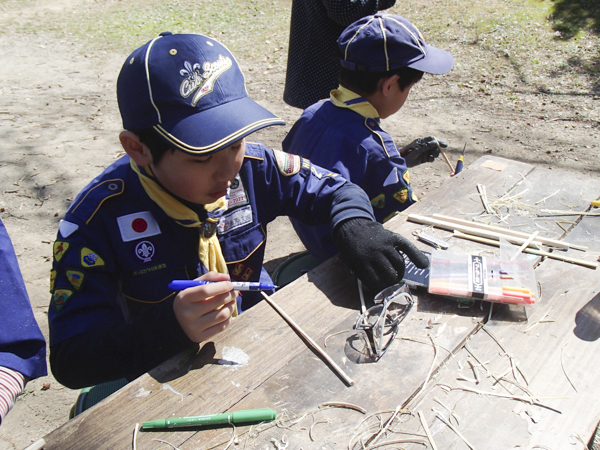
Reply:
x=144, y=251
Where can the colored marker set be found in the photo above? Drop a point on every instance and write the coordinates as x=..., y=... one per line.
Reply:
x=482, y=278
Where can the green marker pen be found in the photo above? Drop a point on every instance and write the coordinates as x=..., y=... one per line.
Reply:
x=250, y=415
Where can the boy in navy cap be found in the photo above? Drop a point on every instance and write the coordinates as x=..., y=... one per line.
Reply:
x=190, y=199
x=382, y=56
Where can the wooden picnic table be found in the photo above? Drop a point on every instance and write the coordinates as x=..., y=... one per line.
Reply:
x=509, y=377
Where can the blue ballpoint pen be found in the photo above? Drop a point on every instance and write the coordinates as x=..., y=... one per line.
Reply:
x=178, y=285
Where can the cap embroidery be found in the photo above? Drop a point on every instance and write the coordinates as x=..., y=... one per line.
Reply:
x=204, y=81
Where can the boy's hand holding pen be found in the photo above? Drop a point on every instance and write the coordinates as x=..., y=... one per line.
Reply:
x=206, y=310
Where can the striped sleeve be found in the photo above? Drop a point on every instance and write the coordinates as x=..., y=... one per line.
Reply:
x=11, y=385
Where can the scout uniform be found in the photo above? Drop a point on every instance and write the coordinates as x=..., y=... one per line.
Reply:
x=344, y=134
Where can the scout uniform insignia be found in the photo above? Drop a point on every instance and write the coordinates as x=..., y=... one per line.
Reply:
x=378, y=202
x=52, y=279
x=401, y=195
x=406, y=177
x=90, y=259
x=286, y=163
x=60, y=298
x=75, y=277
x=137, y=225
x=60, y=248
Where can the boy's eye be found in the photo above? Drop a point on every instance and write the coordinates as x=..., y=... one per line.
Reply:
x=201, y=161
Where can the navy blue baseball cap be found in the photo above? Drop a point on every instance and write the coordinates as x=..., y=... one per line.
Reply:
x=383, y=42
x=190, y=89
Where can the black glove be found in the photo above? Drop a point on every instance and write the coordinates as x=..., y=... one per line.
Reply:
x=372, y=252
x=422, y=150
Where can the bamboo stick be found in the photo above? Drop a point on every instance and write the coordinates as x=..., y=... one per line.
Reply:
x=543, y=240
x=470, y=230
x=581, y=262
x=308, y=339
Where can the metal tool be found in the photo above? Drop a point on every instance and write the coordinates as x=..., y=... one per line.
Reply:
x=459, y=163
x=430, y=240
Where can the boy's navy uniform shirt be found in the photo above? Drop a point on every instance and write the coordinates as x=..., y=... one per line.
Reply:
x=22, y=345
x=355, y=146
x=117, y=251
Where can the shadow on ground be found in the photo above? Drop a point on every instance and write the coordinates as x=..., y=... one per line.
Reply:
x=569, y=18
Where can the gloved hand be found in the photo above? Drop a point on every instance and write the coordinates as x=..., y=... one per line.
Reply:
x=372, y=252
x=422, y=150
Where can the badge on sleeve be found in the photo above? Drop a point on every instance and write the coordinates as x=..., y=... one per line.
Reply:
x=378, y=202
x=76, y=278
x=60, y=298
x=89, y=258
x=406, y=177
x=60, y=248
x=137, y=225
x=401, y=195
x=287, y=163
x=52, y=280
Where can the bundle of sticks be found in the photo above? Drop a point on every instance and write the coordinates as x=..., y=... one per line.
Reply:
x=490, y=234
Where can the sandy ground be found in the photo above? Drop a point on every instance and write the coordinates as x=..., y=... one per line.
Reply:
x=59, y=126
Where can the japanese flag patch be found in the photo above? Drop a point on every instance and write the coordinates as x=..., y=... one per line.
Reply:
x=137, y=225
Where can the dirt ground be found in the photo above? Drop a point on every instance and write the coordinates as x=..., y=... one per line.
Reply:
x=59, y=126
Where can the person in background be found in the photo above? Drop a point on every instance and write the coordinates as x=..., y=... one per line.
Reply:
x=382, y=57
x=315, y=25
x=22, y=346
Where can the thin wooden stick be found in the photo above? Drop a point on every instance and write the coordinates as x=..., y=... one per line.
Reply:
x=453, y=428
x=484, y=199
x=447, y=160
x=444, y=156
x=543, y=240
x=308, y=339
x=554, y=255
x=524, y=246
x=426, y=428
x=468, y=229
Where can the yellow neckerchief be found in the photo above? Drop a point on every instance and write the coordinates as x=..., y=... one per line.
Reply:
x=209, y=248
x=345, y=98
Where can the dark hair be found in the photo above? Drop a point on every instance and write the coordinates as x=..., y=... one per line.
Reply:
x=365, y=83
x=157, y=145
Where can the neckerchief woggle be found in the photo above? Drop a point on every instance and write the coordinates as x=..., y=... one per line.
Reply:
x=209, y=248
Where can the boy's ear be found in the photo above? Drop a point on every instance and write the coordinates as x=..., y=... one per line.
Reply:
x=387, y=83
x=135, y=148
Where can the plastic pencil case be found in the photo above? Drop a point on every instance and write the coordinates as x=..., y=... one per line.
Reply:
x=482, y=278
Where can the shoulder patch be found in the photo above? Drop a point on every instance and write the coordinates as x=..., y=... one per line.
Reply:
x=401, y=195
x=406, y=177
x=92, y=200
x=59, y=249
x=287, y=163
x=89, y=258
x=52, y=279
x=60, y=298
x=76, y=278
x=378, y=202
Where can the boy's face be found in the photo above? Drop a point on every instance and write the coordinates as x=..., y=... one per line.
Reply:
x=200, y=179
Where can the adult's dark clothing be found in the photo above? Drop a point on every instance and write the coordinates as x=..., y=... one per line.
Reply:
x=312, y=67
